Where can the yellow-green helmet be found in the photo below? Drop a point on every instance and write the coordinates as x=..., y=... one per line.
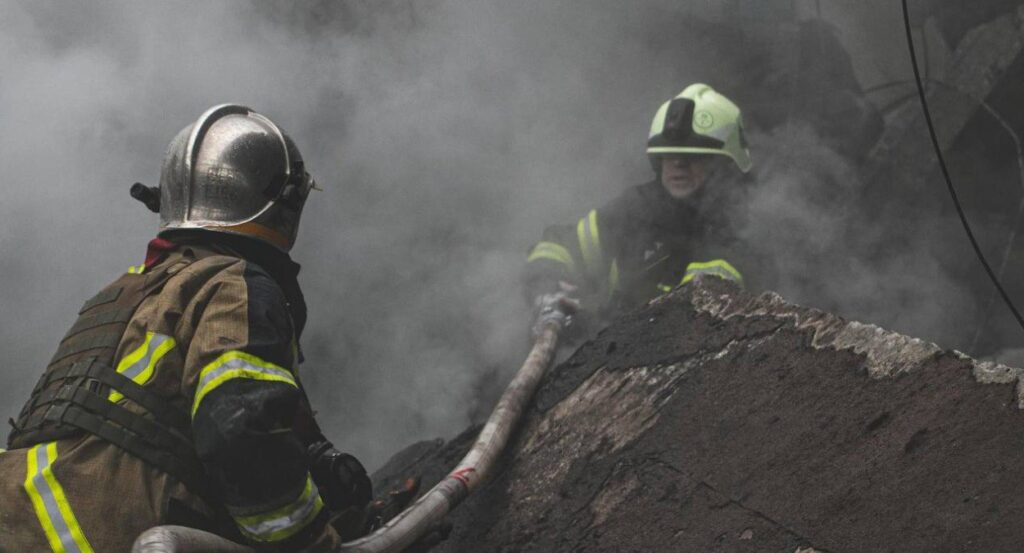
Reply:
x=699, y=121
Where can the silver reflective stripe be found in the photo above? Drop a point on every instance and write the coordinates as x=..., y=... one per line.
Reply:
x=62, y=532
x=136, y=368
x=237, y=364
x=285, y=522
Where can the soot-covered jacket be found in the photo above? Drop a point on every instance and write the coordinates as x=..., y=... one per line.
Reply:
x=215, y=340
x=641, y=244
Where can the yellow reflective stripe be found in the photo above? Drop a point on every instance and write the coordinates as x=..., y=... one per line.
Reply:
x=237, y=364
x=51, y=504
x=718, y=267
x=139, y=364
x=590, y=242
x=581, y=235
x=285, y=522
x=664, y=288
x=137, y=269
x=593, y=231
x=554, y=252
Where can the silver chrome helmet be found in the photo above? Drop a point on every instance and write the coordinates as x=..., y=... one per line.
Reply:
x=234, y=171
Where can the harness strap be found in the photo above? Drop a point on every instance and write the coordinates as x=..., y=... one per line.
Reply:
x=188, y=472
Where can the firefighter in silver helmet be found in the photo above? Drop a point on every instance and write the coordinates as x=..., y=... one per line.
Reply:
x=657, y=235
x=175, y=398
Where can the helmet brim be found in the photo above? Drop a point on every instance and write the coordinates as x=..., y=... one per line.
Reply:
x=743, y=162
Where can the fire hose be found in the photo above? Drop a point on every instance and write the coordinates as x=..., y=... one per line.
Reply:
x=429, y=510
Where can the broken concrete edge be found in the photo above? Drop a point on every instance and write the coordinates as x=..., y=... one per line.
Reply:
x=888, y=354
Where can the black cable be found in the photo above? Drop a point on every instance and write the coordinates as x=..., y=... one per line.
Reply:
x=1012, y=236
x=945, y=171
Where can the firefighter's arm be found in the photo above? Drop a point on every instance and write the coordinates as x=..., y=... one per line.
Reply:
x=717, y=268
x=574, y=257
x=245, y=401
x=552, y=260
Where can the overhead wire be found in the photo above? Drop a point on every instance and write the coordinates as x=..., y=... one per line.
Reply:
x=945, y=171
x=1011, y=239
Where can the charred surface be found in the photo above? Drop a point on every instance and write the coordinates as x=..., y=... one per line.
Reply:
x=713, y=420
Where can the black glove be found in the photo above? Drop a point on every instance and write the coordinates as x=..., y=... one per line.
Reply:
x=380, y=511
x=384, y=509
x=353, y=522
x=341, y=478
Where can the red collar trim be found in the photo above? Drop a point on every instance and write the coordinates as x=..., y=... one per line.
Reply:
x=157, y=250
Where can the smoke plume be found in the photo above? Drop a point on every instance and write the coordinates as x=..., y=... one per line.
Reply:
x=446, y=134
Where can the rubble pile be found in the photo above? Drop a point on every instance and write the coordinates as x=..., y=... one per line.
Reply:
x=716, y=420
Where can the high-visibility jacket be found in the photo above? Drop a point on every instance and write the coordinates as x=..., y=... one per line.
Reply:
x=214, y=341
x=641, y=244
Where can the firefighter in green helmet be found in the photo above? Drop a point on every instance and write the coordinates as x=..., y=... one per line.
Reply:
x=656, y=235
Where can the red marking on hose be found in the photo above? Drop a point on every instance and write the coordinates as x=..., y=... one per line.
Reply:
x=462, y=475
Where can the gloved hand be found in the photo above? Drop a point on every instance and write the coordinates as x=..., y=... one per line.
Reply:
x=559, y=306
x=341, y=477
x=380, y=511
x=354, y=523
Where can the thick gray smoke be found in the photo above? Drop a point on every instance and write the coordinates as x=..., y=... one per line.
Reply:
x=446, y=135
x=805, y=219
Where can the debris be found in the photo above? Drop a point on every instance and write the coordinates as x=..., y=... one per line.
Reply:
x=737, y=416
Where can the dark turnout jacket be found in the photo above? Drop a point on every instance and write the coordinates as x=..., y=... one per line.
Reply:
x=209, y=350
x=640, y=245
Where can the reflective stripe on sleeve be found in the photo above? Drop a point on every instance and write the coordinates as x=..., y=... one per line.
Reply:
x=590, y=243
x=718, y=267
x=137, y=269
x=50, y=504
x=285, y=522
x=139, y=364
x=554, y=252
x=237, y=364
x=592, y=217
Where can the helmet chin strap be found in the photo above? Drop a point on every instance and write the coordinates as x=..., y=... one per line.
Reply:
x=260, y=231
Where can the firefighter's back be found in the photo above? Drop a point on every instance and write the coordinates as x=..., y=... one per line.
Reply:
x=97, y=473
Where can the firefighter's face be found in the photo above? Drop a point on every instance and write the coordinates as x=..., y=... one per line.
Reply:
x=683, y=175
